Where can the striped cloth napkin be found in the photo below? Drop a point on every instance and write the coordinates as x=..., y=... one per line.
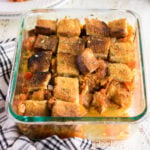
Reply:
x=10, y=139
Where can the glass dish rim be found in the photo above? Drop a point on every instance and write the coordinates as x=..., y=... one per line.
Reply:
x=49, y=119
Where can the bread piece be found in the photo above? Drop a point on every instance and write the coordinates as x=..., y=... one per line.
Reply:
x=87, y=62
x=38, y=95
x=122, y=98
x=120, y=72
x=66, y=64
x=85, y=96
x=122, y=52
x=48, y=43
x=33, y=108
x=118, y=28
x=68, y=27
x=92, y=81
x=67, y=109
x=100, y=101
x=131, y=35
x=71, y=45
x=112, y=88
x=96, y=27
x=43, y=94
x=118, y=94
x=39, y=80
x=99, y=45
x=31, y=33
x=46, y=27
x=67, y=89
x=40, y=61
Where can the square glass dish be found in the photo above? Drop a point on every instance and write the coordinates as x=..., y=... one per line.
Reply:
x=93, y=127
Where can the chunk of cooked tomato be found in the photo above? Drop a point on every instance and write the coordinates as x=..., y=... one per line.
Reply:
x=28, y=43
x=131, y=64
x=28, y=75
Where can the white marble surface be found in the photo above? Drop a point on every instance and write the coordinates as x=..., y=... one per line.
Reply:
x=141, y=139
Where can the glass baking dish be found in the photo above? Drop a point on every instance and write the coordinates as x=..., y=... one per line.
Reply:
x=93, y=128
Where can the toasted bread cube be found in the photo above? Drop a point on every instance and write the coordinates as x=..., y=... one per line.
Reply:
x=67, y=109
x=46, y=27
x=66, y=64
x=120, y=72
x=42, y=94
x=99, y=45
x=118, y=28
x=67, y=89
x=122, y=52
x=33, y=108
x=48, y=43
x=39, y=80
x=69, y=27
x=96, y=27
x=71, y=45
x=31, y=33
x=130, y=37
x=87, y=62
x=40, y=61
